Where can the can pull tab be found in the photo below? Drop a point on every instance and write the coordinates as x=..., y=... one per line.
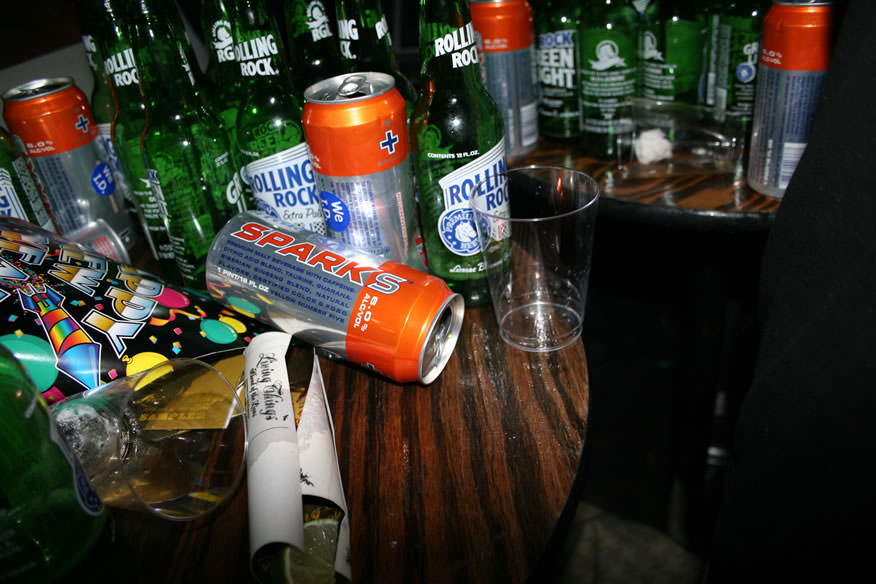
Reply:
x=355, y=85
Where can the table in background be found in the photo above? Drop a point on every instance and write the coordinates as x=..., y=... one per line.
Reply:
x=465, y=480
x=687, y=249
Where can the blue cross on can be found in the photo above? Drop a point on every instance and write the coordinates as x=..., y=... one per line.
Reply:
x=356, y=131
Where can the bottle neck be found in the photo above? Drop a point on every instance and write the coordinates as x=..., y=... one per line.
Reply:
x=448, y=47
x=258, y=47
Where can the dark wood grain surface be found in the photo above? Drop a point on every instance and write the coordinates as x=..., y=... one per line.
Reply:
x=463, y=480
x=704, y=202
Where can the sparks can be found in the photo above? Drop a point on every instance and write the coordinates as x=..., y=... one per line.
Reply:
x=356, y=131
x=381, y=314
x=794, y=57
x=54, y=126
x=506, y=43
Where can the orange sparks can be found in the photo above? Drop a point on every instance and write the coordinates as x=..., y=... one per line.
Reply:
x=378, y=313
x=356, y=130
x=794, y=57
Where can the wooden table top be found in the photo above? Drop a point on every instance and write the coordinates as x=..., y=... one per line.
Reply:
x=463, y=480
x=701, y=202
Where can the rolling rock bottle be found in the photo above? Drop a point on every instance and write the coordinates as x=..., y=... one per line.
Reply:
x=19, y=195
x=184, y=148
x=312, y=42
x=365, y=43
x=127, y=128
x=269, y=131
x=458, y=140
x=50, y=516
x=223, y=71
x=608, y=73
x=558, y=56
x=671, y=51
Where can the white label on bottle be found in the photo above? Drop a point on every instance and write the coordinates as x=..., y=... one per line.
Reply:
x=284, y=188
x=456, y=224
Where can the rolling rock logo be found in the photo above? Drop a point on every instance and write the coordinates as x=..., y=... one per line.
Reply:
x=93, y=320
x=256, y=56
x=459, y=44
x=348, y=31
x=121, y=68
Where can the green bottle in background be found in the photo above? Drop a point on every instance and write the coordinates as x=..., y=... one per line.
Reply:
x=312, y=42
x=608, y=73
x=114, y=42
x=222, y=72
x=740, y=25
x=50, y=516
x=91, y=19
x=558, y=26
x=671, y=46
x=184, y=147
x=19, y=195
x=365, y=44
x=269, y=131
x=457, y=139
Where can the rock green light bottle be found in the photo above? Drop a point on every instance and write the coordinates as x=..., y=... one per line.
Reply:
x=185, y=149
x=120, y=70
x=269, y=131
x=365, y=43
x=671, y=49
x=457, y=139
x=50, y=516
x=559, y=60
x=312, y=42
x=608, y=74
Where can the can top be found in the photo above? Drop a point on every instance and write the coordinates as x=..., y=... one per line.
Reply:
x=441, y=338
x=349, y=87
x=803, y=2
x=37, y=88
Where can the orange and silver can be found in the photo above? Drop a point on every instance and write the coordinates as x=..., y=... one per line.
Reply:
x=384, y=315
x=794, y=57
x=506, y=44
x=356, y=131
x=52, y=123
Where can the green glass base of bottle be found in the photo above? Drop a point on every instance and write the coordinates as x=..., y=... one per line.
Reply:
x=475, y=292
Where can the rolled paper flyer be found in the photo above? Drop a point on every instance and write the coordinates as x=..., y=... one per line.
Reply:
x=299, y=528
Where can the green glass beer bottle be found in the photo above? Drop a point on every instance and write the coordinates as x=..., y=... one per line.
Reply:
x=120, y=70
x=222, y=70
x=313, y=46
x=103, y=107
x=184, y=148
x=457, y=140
x=558, y=26
x=19, y=195
x=50, y=516
x=608, y=74
x=740, y=26
x=269, y=131
x=671, y=47
x=365, y=44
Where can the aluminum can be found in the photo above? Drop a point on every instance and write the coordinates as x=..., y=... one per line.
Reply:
x=794, y=57
x=53, y=124
x=506, y=43
x=356, y=131
x=378, y=313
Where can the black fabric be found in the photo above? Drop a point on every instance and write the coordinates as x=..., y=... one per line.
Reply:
x=800, y=501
